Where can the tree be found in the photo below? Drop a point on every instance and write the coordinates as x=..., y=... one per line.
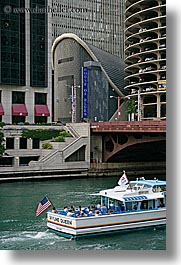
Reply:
x=131, y=109
x=2, y=148
x=131, y=106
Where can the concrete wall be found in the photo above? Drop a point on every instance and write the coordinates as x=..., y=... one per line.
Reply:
x=49, y=158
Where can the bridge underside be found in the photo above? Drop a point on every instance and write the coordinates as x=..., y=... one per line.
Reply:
x=134, y=147
x=141, y=152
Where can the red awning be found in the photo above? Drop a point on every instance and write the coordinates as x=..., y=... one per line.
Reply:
x=19, y=110
x=1, y=110
x=42, y=110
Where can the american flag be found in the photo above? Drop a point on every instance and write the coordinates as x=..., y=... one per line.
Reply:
x=42, y=206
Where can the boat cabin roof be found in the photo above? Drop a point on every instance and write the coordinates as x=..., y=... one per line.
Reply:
x=150, y=183
x=126, y=194
x=128, y=197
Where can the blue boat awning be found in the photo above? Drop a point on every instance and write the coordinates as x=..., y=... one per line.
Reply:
x=135, y=198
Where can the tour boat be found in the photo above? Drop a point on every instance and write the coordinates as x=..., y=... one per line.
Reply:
x=129, y=205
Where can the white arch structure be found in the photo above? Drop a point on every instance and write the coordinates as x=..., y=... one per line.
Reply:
x=88, y=50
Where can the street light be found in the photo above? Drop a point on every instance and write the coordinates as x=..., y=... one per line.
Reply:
x=119, y=105
x=139, y=109
x=118, y=98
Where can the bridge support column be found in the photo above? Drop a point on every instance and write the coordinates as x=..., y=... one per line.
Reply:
x=158, y=106
x=96, y=148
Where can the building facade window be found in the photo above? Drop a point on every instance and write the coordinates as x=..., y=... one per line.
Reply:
x=19, y=111
x=41, y=108
x=12, y=64
x=23, y=143
x=35, y=143
x=40, y=98
x=38, y=46
x=65, y=60
x=18, y=97
x=9, y=142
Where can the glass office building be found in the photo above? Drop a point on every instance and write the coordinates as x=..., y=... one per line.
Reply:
x=12, y=63
x=25, y=52
x=98, y=22
x=25, y=62
x=38, y=45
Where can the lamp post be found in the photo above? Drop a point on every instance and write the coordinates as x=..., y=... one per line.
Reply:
x=119, y=104
x=118, y=98
x=139, y=109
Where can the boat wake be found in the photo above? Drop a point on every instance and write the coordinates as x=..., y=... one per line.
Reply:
x=28, y=240
x=8, y=221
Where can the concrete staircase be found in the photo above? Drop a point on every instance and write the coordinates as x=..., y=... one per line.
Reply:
x=56, y=158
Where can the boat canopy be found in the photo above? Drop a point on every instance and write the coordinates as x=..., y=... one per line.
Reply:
x=119, y=196
x=150, y=183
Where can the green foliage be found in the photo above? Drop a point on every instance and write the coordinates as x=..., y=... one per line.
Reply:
x=42, y=134
x=2, y=148
x=59, y=138
x=47, y=145
x=46, y=134
x=2, y=124
x=131, y=106
x=65, y=133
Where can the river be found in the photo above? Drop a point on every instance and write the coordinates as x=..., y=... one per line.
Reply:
x=20, y=229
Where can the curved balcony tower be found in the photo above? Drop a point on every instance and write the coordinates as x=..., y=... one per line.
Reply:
x=145, y=56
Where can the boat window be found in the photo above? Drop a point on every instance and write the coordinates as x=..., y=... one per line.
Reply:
x=163, y=187
x=136, y=188
x=151, y=204
x=144, y=205
x=159, y=188
x=128, y=206
x=161, y=203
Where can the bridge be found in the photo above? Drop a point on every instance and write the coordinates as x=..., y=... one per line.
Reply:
x=126, y=126
x=129, y=141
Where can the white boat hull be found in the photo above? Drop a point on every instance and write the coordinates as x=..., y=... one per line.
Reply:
x=74, y=227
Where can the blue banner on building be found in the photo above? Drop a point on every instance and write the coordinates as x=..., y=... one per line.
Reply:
x=85, y=92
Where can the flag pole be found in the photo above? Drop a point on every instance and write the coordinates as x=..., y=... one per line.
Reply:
x=124, y=172
x=50, y=200
x=129, y=182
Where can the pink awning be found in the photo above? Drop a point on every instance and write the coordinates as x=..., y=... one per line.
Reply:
x=1, y=110
x=42, y=110
x=19, y=110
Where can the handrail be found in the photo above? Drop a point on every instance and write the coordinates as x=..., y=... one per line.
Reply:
x=72, y=130
x=61, y=152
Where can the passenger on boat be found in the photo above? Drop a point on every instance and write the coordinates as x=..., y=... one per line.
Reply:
x=65, y=209
x=81, y=214
x=70, y=213
x=122, y=207
x=97, y=213
x=54, y=210
x=104, y=209
x=98, y=205
x=109, y=211
x=135, y=206
x=90, y=210
x=112, y=207
x=72, y=208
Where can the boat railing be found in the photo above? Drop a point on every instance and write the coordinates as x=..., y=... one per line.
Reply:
x=112, y=210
